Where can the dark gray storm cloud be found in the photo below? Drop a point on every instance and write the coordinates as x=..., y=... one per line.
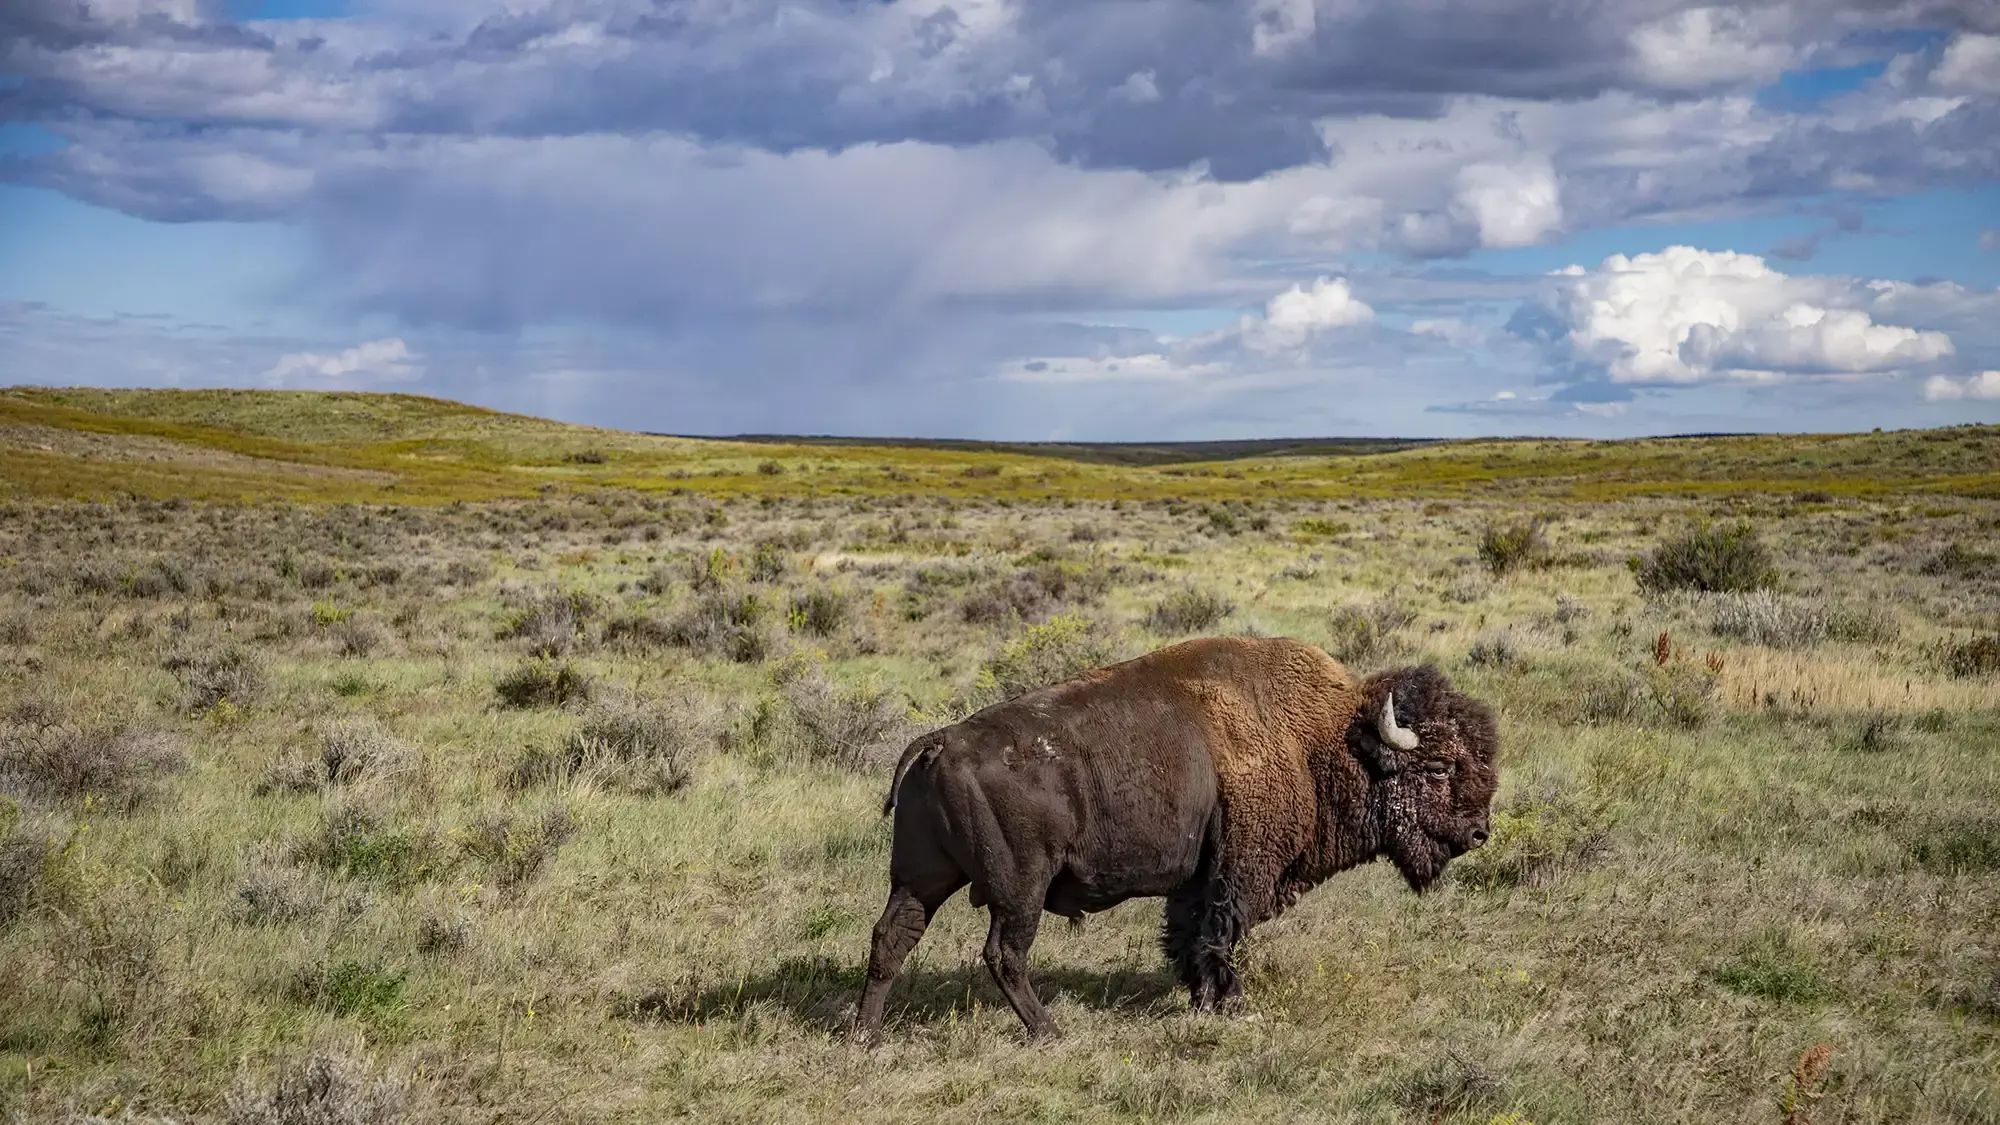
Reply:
x=829, y=194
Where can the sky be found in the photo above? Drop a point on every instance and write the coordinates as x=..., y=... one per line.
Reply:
x=1019, y=219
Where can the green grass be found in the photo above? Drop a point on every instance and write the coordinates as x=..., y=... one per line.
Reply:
x=346, y=447
x=655, y=902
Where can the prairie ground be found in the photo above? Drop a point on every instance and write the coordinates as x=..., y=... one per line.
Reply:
x=568, y=808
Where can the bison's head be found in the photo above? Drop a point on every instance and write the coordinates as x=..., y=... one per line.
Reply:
x=1430, y=755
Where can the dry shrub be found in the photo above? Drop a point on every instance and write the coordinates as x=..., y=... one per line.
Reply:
x=646, y=747
x=859, y=727
x=1613, y=695
x=212, y=676
x=1189, y=610
x=271, y=892
x=24, y=858
x=1363, y=634
x=1494, y=650
x=552, y=622
x=360, y=635
x=62, y=763
x=542, y=683
x=1969, y=658
x=346, y=753
x=515, y=847
x=1035, y=591
x=724, y=624
x=1960, y=561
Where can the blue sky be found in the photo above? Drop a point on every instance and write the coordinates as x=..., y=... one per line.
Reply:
x=1018, y=218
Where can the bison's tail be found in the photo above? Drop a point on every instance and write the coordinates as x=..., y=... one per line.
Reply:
x=923, y=749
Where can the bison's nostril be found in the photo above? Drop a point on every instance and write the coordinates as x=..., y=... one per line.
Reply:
x=1478, y=837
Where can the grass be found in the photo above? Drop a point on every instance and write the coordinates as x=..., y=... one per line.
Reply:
x=338, y=801
x=348, y=447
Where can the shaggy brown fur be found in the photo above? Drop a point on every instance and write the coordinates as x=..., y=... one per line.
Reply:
x=1228, y=774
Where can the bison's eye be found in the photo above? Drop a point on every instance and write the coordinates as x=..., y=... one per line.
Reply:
x=1439, y=770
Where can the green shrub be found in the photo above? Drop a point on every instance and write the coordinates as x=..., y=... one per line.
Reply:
x=1711, y=560
x=819, y=611
x=350, y=987
x=1772, y=969
x=1507, y=547
x=542, y=682
x=1683, y=693
x=353, y=842
x=1039, y=655
x=1532, y=846
x=1189, y=610
x=1316, y=527
x=1967, y=845
x=515, y=848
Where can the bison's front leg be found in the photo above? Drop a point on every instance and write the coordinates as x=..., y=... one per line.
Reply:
x=1202, y=926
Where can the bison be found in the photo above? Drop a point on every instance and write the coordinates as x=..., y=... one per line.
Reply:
x=1228, y=774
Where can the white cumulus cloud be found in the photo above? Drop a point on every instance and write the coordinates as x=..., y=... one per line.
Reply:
x=1685, y=316
x=1510, y=204
x=1985, y=385
x=1292, y=318
x=1702, y=47
x=1970, y=65
x=377, y=361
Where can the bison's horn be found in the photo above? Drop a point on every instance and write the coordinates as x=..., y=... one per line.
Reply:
x=1392, y=734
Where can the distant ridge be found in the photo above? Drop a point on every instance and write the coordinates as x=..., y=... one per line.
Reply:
x=1110, y=452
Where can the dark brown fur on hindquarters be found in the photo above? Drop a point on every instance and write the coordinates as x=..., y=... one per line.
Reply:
x=1228, y=775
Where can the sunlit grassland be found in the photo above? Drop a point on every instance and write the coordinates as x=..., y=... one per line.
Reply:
x=1732, y=828
x=407, y=449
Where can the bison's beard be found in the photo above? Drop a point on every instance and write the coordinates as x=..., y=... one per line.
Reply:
x=1421, y=860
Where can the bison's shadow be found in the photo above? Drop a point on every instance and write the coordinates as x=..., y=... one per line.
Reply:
x=821, y=992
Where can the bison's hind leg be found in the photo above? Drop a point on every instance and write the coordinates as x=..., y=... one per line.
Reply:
x=901, y=926
x=1007, y=944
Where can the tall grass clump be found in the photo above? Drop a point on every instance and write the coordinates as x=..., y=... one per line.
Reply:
x=1762, y=617
x=1709, y=560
